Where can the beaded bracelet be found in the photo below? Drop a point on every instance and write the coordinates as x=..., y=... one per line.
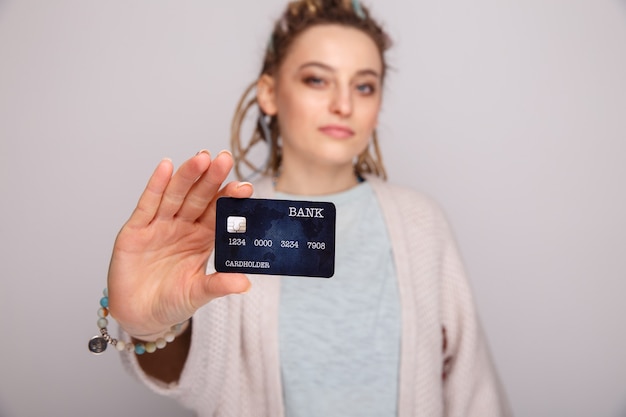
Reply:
x=98, y=344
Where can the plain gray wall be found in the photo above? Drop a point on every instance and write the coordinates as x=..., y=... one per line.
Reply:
x=511, y=114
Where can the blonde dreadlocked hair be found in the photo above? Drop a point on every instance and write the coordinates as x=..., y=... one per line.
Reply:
x=297, y=17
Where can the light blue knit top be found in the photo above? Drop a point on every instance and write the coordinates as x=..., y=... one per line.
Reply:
x=340, y=337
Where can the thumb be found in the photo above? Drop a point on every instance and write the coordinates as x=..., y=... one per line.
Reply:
x=217, y=285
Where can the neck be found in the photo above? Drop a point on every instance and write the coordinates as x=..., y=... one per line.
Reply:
x=315, y=180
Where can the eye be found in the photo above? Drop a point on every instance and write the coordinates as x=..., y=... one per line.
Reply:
x=366, y=89
x=314, y=81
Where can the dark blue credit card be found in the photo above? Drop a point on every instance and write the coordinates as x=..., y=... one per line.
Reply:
x=276, y=237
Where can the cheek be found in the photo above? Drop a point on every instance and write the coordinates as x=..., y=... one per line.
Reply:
x=370, y=115
x=298, y=111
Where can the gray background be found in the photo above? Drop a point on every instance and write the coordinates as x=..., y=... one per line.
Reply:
x=511, y=114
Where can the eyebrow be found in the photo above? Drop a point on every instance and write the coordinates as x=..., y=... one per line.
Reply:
x=366, y=71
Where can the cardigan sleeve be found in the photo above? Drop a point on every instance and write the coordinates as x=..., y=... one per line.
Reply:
x=471, y=387
x=446, y=368
x=196, y=388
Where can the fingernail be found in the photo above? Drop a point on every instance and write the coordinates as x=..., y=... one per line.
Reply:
x=225, y=151
x=243, y=183
x=204, y=151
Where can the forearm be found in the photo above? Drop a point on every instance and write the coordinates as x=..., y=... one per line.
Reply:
x=167, y=364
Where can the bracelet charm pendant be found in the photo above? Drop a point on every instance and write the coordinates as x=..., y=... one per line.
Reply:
x=97, y=345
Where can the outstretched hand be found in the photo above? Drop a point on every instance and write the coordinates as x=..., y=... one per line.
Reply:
x=157, y=272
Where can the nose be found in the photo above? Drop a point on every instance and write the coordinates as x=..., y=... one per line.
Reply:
x=341, y=102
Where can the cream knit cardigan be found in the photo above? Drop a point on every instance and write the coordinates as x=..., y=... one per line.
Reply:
x=233, y=367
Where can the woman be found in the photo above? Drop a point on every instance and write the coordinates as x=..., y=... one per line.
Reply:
x=394, y=332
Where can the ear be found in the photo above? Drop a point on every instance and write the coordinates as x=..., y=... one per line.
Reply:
x=266, y=94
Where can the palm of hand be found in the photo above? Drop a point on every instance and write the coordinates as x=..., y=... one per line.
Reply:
x=157, y=272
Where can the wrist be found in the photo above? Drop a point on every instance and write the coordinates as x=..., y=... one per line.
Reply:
x=168, y=335
x=146, y=342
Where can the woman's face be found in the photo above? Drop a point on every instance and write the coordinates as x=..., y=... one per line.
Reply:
x=327, y=95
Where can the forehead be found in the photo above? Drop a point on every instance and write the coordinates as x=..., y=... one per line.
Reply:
x=340, y=47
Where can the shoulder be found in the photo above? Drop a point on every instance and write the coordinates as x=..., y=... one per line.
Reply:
x=408, y=201
x=409, y=214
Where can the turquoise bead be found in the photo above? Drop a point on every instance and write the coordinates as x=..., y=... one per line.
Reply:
x=104, y=302
x=140, y=349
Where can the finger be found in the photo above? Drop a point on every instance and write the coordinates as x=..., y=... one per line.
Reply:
x=233, y=189
x=217, y=285
x=205, y=188
x=150, y=199
x=181, y=183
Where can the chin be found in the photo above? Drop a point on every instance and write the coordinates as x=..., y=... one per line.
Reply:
x=332, y=153
x=337, y=159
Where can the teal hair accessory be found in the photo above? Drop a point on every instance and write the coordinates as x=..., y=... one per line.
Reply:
x=358, y=10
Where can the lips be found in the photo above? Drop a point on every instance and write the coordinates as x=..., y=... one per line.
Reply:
x=337, y=131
